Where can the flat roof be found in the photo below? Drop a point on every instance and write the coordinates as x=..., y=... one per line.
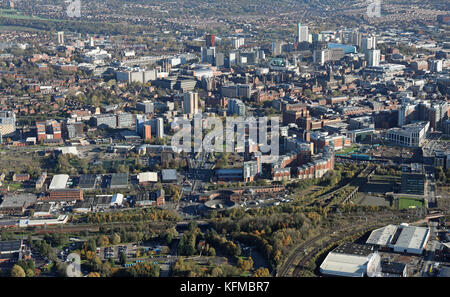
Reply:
x=169, y=174
x=87, y=181
x=382, y=236
x=148, y=176
x=42, y=207
x=344, y=265
x=119, y=179
x=349, y=248
x=59, y=181
x=412, y=237
x=9, y=246
x=17, y=200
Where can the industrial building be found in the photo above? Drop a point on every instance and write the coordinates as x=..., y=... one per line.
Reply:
x=169, y=175
x=147, y=177
x=87, y=182
x=65, y=195
x=59, y=181
x=401, y=238
x=350, y=260
x=119, y=181
x=17, y=203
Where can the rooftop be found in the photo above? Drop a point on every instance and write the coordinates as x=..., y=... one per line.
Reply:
x=9, y=246
x=17, y=200
x=169, y=174
x=119, y=179
x=59, y=181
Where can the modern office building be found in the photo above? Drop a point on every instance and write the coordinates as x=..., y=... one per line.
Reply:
x=105, y=121
x=208, y=55
x=7, y=123
x=236, y=107
x=159, y=127
x=61, y=38
x=125, y=120
x=411, y=135
x=373, y=57
x=302, y=33
x=413, y=179
x=368, y=43
x=190, y=103
x=238, y=42
x=325, y=55
x=210, y=40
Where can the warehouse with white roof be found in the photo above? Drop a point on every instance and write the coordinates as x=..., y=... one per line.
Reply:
x=146, y=177
x=350, y=260
x=58, y=182
x=401, y=238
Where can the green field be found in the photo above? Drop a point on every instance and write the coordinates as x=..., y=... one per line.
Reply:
x=405, y=203
x=388, y=178
x=14, y=187
x=347, y=150
x=15, y=14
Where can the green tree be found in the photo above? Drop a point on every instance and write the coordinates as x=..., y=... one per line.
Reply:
x=17, y=271
x=122, y=258
x=30, y=273
x=115, y=239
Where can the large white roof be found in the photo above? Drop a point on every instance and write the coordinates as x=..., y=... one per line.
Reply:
x=148, y=176
x=412, y=238
x=344, y=265
x=407, y=237
x=382, y=236
x=59, y=181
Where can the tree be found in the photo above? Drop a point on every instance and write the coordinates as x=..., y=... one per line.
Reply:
x=261, y=272
x=103, y=240
x=212, y=252
x=17, y=271
x=115, y=239
x=29, y=273
x=122, y=258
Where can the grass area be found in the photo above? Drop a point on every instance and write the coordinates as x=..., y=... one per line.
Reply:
x=385, y=178
x=111, y=164
x=347, y=150
x=15, y=187
x=18, y=28
x=405, y=203
x=15, y=14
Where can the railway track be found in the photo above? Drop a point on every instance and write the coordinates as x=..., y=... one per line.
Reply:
x=301, y=259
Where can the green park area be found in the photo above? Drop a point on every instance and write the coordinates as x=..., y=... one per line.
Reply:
x=347, y=150
x=15, y=14
x=405, y=203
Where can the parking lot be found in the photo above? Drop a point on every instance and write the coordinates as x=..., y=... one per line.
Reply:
x=115, y=251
